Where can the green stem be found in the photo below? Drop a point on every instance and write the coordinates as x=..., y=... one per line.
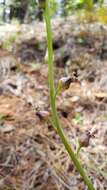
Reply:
x=50, y=56
x=53, y=100
x=78, y=149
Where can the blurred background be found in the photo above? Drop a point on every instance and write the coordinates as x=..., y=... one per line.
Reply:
x=32, y=156
x=26, y=11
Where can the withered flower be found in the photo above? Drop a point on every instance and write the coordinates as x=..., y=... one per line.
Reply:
x=84, y=139
x=64, y=83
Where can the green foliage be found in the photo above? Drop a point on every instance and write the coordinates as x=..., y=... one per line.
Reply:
x=53, y=7
x=101, y=14
x=7, y=44
x=71, y=5
x=78, y=119
x=84, y=3
x=65, y=7
x=77, y=4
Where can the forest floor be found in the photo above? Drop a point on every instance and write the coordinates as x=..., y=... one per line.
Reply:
x=31, y=154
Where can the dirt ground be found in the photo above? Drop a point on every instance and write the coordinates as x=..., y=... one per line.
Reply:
x=31, y=154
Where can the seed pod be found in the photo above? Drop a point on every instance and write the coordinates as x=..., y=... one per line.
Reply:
x=84, y=139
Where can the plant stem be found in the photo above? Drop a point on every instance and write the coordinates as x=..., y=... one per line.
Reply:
x=78, y=150
x=53, y=100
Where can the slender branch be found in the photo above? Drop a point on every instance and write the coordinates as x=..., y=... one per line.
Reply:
x=55, y=117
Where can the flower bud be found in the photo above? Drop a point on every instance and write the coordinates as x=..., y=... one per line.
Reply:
x=64, y=83
x=84, y=139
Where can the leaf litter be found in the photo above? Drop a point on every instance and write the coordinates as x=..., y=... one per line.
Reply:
x=31, y=154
